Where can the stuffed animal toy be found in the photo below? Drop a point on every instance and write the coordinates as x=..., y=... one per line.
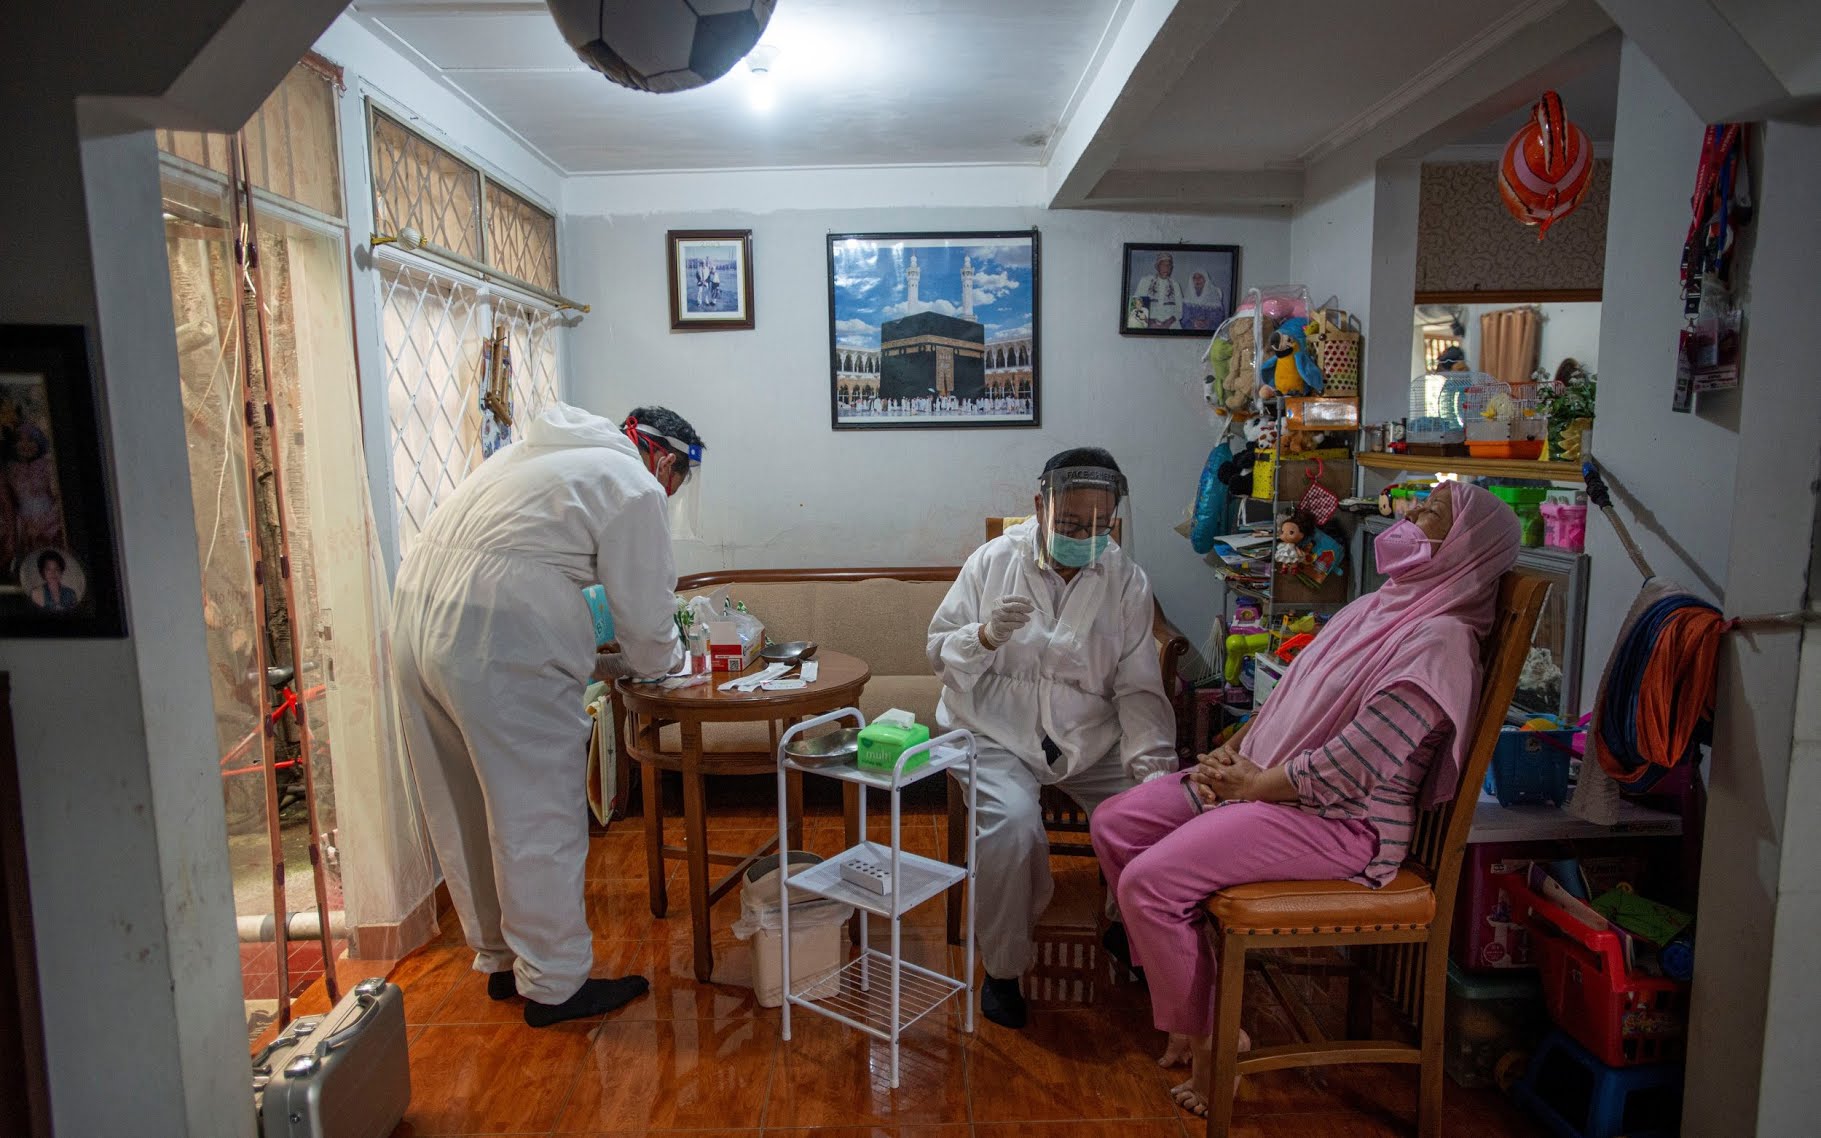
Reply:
x=1236, y=472
x=1289, y=368
x=1261, y=428
x=1240, y=381
x=1220, y=368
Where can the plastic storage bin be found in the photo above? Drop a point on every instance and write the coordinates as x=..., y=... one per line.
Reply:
x=1565, y=526
x=1623, y=1019
x=817, y=942
x=1489, y=935
x=1493, y=1021
x=1530, y=768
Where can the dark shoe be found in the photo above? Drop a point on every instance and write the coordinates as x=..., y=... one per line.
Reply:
x=502, y=985
x=1119, y=947
x=1003, y=1003
x=594, y=998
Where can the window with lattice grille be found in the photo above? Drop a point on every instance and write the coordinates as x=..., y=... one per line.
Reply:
x=521, y=238
x=419, y=185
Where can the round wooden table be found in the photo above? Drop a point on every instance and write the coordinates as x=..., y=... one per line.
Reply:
x=646, y=709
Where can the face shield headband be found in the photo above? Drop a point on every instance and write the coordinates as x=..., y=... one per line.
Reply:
x=1078, y=511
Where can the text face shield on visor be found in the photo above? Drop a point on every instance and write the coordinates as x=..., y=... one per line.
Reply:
x=1078, y=510
x=686, y=503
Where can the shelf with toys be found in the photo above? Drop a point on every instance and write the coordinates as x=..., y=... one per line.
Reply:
x=1283, y=380
x=1469, y=467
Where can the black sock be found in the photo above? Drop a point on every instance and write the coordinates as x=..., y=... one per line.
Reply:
x=594, y=998
x=502, y=985
x=1119, y=947
x=1003, y=1003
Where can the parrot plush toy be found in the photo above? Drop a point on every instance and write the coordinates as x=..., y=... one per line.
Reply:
x=1289, y=368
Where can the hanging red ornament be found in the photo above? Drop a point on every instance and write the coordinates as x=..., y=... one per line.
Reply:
x=1547, y=167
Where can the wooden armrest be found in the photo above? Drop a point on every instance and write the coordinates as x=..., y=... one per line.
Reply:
x=1172, y=646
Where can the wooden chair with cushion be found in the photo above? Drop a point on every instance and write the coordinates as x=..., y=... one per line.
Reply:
x=1061, y=815
x=1397, y=935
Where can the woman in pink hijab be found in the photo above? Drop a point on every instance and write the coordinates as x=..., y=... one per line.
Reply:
x=1325, y=782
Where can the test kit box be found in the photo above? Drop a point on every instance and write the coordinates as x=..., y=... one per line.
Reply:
x=731, y=648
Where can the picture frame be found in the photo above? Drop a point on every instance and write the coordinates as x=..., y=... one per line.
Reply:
x=1190, y=295
x=710, y=273
x=935, y=330
x=59, y=573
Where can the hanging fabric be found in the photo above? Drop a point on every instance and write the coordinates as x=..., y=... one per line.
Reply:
x=1508, y=344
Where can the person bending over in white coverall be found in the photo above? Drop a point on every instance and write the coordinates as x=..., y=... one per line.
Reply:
x=1045, y=653
x=492, y=647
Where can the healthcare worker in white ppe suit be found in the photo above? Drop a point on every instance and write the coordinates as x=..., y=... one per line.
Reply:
x=1045, y=652
x=493, y=645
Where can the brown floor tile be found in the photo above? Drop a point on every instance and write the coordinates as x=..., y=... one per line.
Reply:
x=1070, y=1065
x=674, y=1075
x=1125, y=1128
x=617, y=855
x=876, y=1131
x=428, y=975
x=493, y=1079
x=675, y=994
x=830, y=1075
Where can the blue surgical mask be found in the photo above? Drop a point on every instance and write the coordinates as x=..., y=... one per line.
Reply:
x=1078, y=552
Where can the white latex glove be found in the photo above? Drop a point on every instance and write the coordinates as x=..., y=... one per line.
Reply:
x=1008, y=616
x=610, y=666
x=1148, y=767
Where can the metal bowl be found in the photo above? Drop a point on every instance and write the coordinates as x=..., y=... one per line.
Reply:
x=792, y=652
x=832, y=749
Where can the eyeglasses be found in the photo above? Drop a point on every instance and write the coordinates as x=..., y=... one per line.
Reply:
x=1067, y=527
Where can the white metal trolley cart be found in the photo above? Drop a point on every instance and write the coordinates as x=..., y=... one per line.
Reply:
x=849, y=994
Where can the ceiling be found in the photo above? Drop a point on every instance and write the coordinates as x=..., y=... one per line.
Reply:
x=1589, y=98
x=856, y=83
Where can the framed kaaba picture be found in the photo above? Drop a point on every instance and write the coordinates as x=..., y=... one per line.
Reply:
x=58, y=573
x=934, y=330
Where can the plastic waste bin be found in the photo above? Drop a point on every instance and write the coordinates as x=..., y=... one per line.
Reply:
x=817, y=937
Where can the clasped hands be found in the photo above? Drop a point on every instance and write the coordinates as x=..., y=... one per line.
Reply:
x=1224, y=775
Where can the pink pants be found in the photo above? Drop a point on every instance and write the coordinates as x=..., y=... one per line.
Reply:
x=1163, y=860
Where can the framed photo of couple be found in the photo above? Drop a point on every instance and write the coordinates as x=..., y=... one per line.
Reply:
x=710, y=279
x=1177, y=290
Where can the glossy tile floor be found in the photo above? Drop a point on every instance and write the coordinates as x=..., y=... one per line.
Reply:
x=706, y=1059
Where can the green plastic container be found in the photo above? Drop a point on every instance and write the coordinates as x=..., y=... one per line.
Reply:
x=1525, y=501
x=882, y=743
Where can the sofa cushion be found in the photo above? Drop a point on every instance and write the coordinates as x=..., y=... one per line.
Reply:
x=882, y=621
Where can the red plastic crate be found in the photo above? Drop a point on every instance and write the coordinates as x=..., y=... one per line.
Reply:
x=1623, y=1019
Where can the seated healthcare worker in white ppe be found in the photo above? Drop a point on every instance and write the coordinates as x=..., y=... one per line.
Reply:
x=1045, y=653
x=493, y=645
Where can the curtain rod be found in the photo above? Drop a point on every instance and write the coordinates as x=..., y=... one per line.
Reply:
x=412, y=241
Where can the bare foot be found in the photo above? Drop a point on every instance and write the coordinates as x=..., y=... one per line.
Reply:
x=1192, y=1094
x=1178, y=1051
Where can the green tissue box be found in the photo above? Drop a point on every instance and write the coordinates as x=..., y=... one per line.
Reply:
x=882, y=743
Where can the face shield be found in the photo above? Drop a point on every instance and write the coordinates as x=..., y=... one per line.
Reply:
x=674, y=459
x=1078, y=508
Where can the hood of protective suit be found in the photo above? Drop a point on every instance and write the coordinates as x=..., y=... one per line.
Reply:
x=560, y=425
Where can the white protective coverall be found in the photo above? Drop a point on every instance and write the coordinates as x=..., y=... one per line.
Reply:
x=1084, y=674
x=493, y=645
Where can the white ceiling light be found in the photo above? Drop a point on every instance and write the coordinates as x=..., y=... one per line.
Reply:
x=761, y=88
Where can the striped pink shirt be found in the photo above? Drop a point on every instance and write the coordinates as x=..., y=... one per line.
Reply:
x=1373, y=771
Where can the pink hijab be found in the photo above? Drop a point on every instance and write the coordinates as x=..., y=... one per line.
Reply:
x=1423, y=627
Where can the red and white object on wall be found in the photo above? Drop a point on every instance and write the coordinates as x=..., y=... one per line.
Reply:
x=1547, y=168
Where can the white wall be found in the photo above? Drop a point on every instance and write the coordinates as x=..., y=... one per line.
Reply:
x=782, y=489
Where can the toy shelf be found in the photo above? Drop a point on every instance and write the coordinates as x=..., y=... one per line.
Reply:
x=1476, y=467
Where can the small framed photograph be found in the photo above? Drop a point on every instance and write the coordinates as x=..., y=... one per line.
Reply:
x=710, y=279
x=58, y=574
x=1177, y=290
x=934, y=330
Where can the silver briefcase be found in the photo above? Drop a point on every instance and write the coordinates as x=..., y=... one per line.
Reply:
x=340, y=1075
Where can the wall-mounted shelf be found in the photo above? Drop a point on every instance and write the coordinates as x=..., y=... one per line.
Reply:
x=1477, y=467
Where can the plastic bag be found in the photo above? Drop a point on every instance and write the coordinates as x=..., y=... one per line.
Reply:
x=759, y=908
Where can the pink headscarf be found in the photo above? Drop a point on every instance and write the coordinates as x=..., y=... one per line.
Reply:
x=1423, y=627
